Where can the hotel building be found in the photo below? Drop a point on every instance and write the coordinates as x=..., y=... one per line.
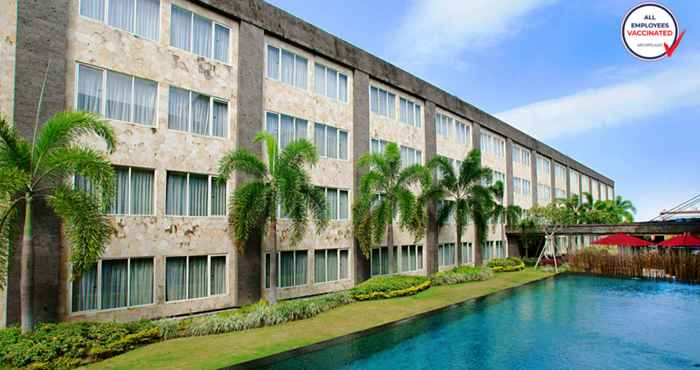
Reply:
x=184, y=81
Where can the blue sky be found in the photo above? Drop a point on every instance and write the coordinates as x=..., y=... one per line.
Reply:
x=635, y=122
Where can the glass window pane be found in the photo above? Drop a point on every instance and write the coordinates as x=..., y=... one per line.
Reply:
x=301, y=71
x=332, y=142
x=200, y=114
x=175, y=278
x=419, y=258
x=180, y=28
x=287, y=131
x=332, y=203
x=147, y=18
x=220, y=119
x=114, y=283
x=120, y=205
x=176, y=194
x=287, y=67
x=343, y=205
x=121, y=14
x=320, y=266
x=285, y=272
x=89, y=89
x=300, y=268
x=417, y=117
x=342, y=145
x=272, y=124
x=221, y=40
x=376, y=262
x=385, y=260
x=391, y=105
x=201, y=37
x=320, y=79
x=344, y=264
x=300, y=130
x=118, y=96
x=320, y=139
x=94, y=9
x=199, y=195
x=404, y=258
x=218, y=197
x=273, y=62
x=374, y=99
x=140, y=281
x=332, y=265
x=332, y=83
x=218, y=275
x=412, y=258
x=141, y=192
x=178, y=109
x=267, y=270
x=342, y=87
x=197, y=277
x=145, y=92
x=84, y=294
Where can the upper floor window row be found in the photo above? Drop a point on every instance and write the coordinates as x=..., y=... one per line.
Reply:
x=492, y=145
x=116, y=95
x=134, y=191
x=331, y=83
x=521, y=187
x=331, y=142
x=544, y=194
x=197, y=113
x=285, y=128
x=382, y=102
x=189, y=194
x=446, y=125
x=521, y=155
x=559, y=172
x=199, y=35
x=574, y=181
x=288, y=67
x=377, y=146
x=140, y=17
x=543, y=168
x=409, y=112
x=410, y=156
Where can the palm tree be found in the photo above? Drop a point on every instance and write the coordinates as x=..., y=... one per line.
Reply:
x=504, y=215
x=283, y=182
x=624, y=209
x=466, y=196
x=34, y=172
x=385, y=192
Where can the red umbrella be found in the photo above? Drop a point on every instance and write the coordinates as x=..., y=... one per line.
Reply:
x=623, y=240
x=684, y=240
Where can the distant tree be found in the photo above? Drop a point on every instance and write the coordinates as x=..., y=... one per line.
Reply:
x=504, y=214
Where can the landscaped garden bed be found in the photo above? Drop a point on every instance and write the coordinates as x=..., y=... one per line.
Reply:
x=462, y=274
x=380, y=287
x=506, y=264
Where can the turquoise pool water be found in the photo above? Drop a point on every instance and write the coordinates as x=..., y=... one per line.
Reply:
x=571, y=322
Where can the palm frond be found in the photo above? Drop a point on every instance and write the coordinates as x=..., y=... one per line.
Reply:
x=244, y=161
x=9, y=234
x=298, y=152
x=271, y=148
x=13, y=181
x=85, y=162
x=251, y=207
x=15, y=151
x=447, y=172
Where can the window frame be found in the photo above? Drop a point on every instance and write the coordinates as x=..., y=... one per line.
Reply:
x=337, y=201
x=390, y=113
x=279, y=126
x=325, y=256
x=105, y=19
x=210, y=118
x=155, y=200
x=214, y=23
x=280, y=49
x=267, y=276
x=337, y=141
x=187, y=277
x=337, y=83
x=416, y=110
x=210, y=180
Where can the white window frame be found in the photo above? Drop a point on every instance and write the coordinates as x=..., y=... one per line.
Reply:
x=279, y=66
x=337, y=83
x=337, y=191
x=416, y=154
x=325, y=256
x=98, y=298
x=390, y=111
x=400, y=257
x=153, y=206
x=381, y=260
x=213, y=36
x=279, y=269
x=210, y=180
x=337, y=141
x=380, y=142
x=190, y=118
x=187, y=277
x=105, y=19
x=416, y=109
x=294, y=120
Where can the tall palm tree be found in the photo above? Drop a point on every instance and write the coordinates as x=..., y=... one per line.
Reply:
x=466, y=195
x=624, y=209
x=504, y=214
x=34, y=172
x=281, y=182
x=385, y=192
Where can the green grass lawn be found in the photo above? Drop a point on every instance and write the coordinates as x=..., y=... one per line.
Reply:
x=215, y=351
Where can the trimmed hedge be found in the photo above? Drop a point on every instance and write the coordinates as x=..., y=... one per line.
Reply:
x=506, y=264
x=462, y=274
x=381, y=287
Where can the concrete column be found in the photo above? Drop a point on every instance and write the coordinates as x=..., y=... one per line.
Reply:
x=360, y=146
x=42, y=29
x=251, y=43
x=509, y=173
x=533, y=175
x=431, y=234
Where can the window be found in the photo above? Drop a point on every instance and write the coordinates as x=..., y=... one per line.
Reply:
x=134, y=192
x=120, y=283
x=410, y=156
x=285, y=66
x=190, y=277
x=498, y=176
x=140, y=17
x=128, y=98
x=559, y=173
x=574, y=182
x=466, y=252
x=291, y=269
x=611, y=195
x=521, y=187
x=377, y=146
x=521, y=155
x=585, y=184
x=446, y=254
x=492, y=145
x=409, y=112
x=443, y=124
x=330, y=83
x=199, y=35
x=197, y=113
x=382, y=102
x=330, y=265
x=411, y=258
x=595, y=192
x=499, y=249
x=331, y=142
x=337, y=203
x=440, y=205
x=559, y=193
x=544, y=194
x=286, y=128
x=462, y=133
x=189, y=194
x=379, y=261
x=543, y=168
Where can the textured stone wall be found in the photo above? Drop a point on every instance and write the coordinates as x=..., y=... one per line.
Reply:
x=161, y=149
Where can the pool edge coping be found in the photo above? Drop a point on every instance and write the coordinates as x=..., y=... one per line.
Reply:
x=284, y=355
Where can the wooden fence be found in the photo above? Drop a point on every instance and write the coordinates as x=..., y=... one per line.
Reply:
x=677, y=265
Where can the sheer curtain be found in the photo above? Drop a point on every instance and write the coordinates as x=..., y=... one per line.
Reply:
x=199, y=195
x=287, y=131
x=120, y=205
x=220, y=119
x=178, y=109
x=320, y=266
x=114, y=283
x=419, y=257
x=412, y=258
x=84, y=295
x=332, y=263
x=175, y=278
x=320, y=79
x=376, y=262
x=141, y=192
x=332, y=136
x=89, y=89
x=176, y=194
x=342, y=87
x=301, y=71
x=391, y=105
x=221, y=38
x=201, y=37
x=148, y=18
x=332, y=83
x=320, y=139
x=374, y=98
x=404, y=258
x=344, y=264
x=342, y=145
x=343, y=205
x=197, y=277
x=145, y=92
x=271, y=123
x=285, y=272
x=300, y=268
x=94, y=9
x=218, y=197
x=301, y=126
x=273, y=62
x=200, y=114
x=332, y=202
x=118, y=96
x=141, y=281
x=385, y=260
x=121, y=14
x=218, y=275
x=180, y=28
x=287, y=67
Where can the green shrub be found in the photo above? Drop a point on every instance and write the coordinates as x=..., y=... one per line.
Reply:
x=392, y=286
x=462, y=274
x=530, y=261
x=506, y=264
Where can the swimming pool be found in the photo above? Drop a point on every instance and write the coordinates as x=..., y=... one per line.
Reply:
x=570, y=322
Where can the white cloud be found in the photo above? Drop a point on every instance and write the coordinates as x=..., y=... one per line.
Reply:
x=433, y=30
x=639, y=97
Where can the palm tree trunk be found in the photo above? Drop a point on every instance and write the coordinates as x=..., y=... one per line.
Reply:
x=505, y=238
x=459, y=246
x=273, y=263
x=27, y=271
x=390, y=245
